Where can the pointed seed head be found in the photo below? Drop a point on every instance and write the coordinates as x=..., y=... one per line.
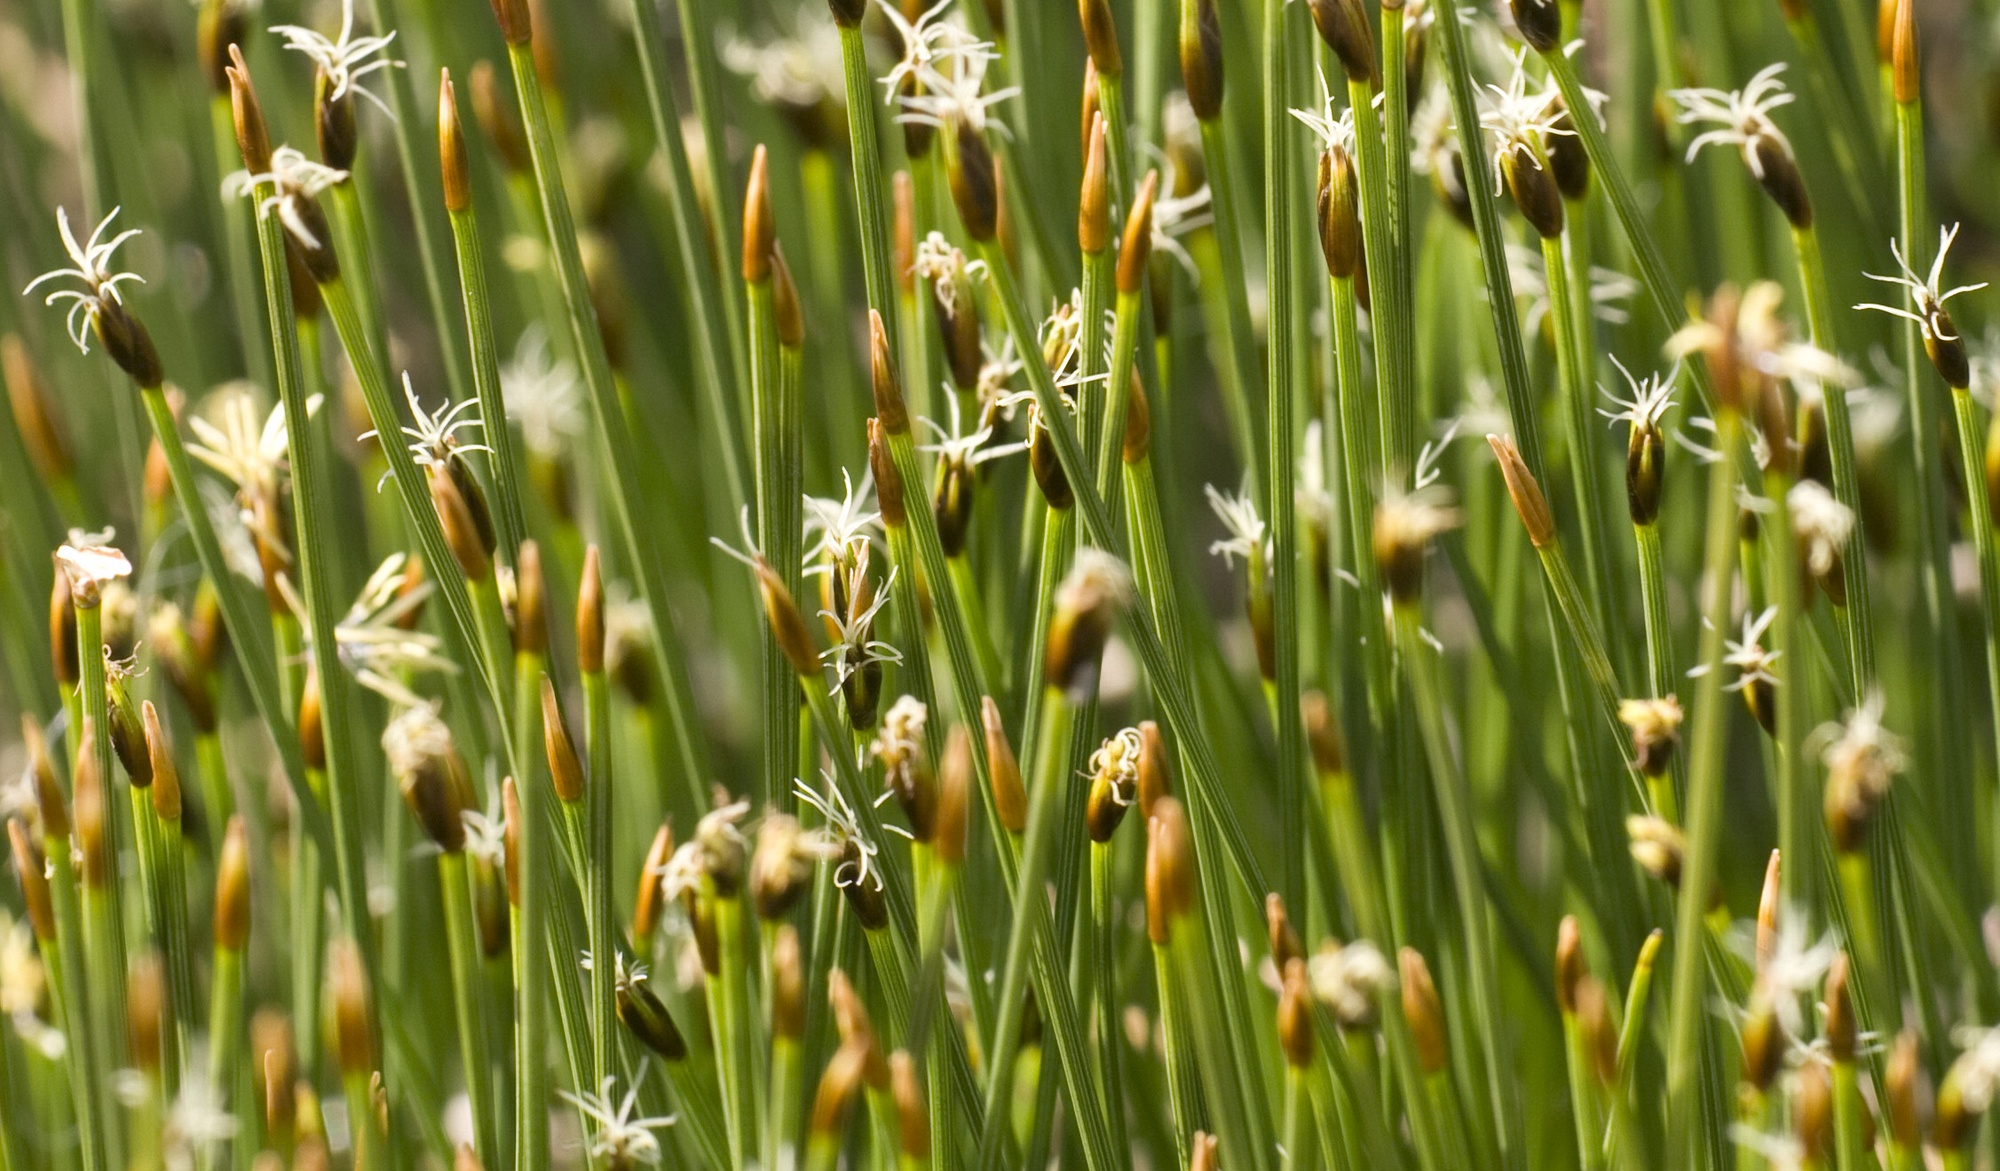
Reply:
x=590, y=615
x=1339, y=214
x=565, y=769
x=885, y=382
x=232, y=888
x=975, y=183
x=516, y=23
x=1135, y=249
x=32, y=867
x=788, y=316
x=1422, y=1010
x=1345, y=27
x=1093, y=215
x=1526, y=493
x=1201, y=57
x=495, y=114
x=253, y=139
x=1010, y=799
x=354, y=1038
x=1100, y=37
x=913, y=1122
x=1906, y=79
x=1570, y=967
x=643, y=1014
x=956, y=777
x=788, y=984
x=1295, y=1025
x=760, y=231
x=160, y=761
x=451, y=148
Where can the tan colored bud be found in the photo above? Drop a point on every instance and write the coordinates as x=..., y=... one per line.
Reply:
x=516, y=23
x=1201, y=57
x=232, y=888
x=1345, y=27
x=1767, y=915
x=1600, y=1032
x=1812, y=1113
x=1295, y=1015
x=452, y=162
x=590, y=615
x=1526, y=493
x=1010, y=799
x=888, y=481
x=788, y=985
x=1138, y=441
x=789, y=316
x=837, y=1087
x=886, y=383
x=1657, y=846
x=32, y=867
x=1840, y=1029
x=913, y=1123
x=646, y=903
x=1322, y=726
x=160, y=762
x=312, y=733
x=955, y=780
x=353, y=1030
x=91, y=814
x=42, y=772
x=1156, y=771
x=1339, y=214
x=461, y=527
x=497, y=120
x=1093, y=215
x=1089, y=600
x=1135, y=248
x=1100, y=37
x=510, y=831
x=1423, y=1011
x=759, y=228
x=63, y=653
x=1907, y=81
x=1203, y=1153
x=565, y=768
x=34, y=414
x=788, y=626
x=1103, y=808
x=273, y=1069
x=1763, y=1043
x=850, y=1018
x=1281, y=935
x=145, y=1010
x=1902, y=1078
x=1570, y=967
x=253, y=139
x=1170, y=868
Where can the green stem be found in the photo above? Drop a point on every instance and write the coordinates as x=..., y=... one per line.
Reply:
x=462, y=945
x=505, y=464
x=1239, y=367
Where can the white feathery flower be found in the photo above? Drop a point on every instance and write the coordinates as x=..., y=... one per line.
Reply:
x=1927, y=294
x=931, y=44
x=1117, y=760
x=1609, y=289
x=1977, y=1070
x=415, y=738
x=1747, y=654
x=90, y=264
x=374, y=646
x=1861, y=754
x=89, y=557
x=801, y=68
x=1743, y=116
x=1335, y=131
x=953, y=96
x=1521, y=122
x=854, y=648
x=543, y=393
x=842, y=527
x=294, y=179
x=623, y=1140
x=1796, y=968
x=1652, y=397
x=1349, y=979
x=943, y=263
x=843, y=827
x=198, y=1119
x=436, y=433
x=345, y=58
x=1822, y=524
x=996, y=402
x=1249, y=537
x=249, y=453
x=958, y=448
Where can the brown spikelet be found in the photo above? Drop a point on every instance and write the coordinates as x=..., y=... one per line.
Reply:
x=850, y=1018
x=788, y=626
x=1529, y=503
x=1600, y=1034
x=34, y=414
x=145, y=1010
x=1812, y=1113
x=354, y=1038
x=510, y=812
x=888, y=481
x=63, y=654
x=1156, y=775
x=495, y=114
x=1170, y=866
x=531, y=609
x=1840, y=1029
x=1282, y=936
x=913, y=1122
x=1905, y=77
x=1135, y=248
x=1295, y=1026
x=890, y=409
x=253, y=139
x=1767, y=915
x=1422, y=1010
x=837, y=1086
x=788, y=316
x=1763, y=1043
x=955, y=781
x=516, y=23
x=788, y=984
x=848, y=13
x=1345, y=27
x=220, y=24
x=93, y=845
x=646, y=904
x=451, y=148
x=461, y=528
x=1339, y=214
x=1003, y=217
x=1093, y=214
x=1010, y=799
x=975, y=181
x=1100, y=37
x=759, y=229
x=1569, y=963
x=232, y=888
x=565, y=769
x=1201, y=57
x=646, y=1017
x=166, y=788
x=32, y=867
x=1329, y=751
x=590, y=615
x=1138, y=440
x=42, y=771
x=1901, y=1080
x=312, y=732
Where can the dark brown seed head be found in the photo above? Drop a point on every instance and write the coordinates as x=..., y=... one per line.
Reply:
x=354, y=1037
x=890, y=409
x=160, y=761
x=1135, y=249
x=1569, y=963
x=647, y=1019
x=451, y=148
x=1093, y=215
x=220, y=24
x=516, y=23
x=1100, y=37
x=1906, y=79
x=1532, y=185
x=590, y=615
x=1346, y=29
x=1010, y=799
x=333, y=123
x=1422, y=1010
x=253, y=140
x=1201, y=57
x=34, y=413
x=531, y=609
x=788, y=984
x=495, y=114
x=1645, y=473
x=32, y=867
x=788, y=626
x=126, y=340
x=63, y=658
x=1946, y=349
x=1103, y=808
x=1782, y=181
x=489, y=906
x=1567, y=157
x=1339, y=214
x=565, y=769
x=232, y=888
x=956, y=776
x=848, y=13
x=952, y=502
x=128, y=732
x=975, y=186
x=913, y=1123
x=888, y=481
x=1540, y=23
x=1295, y=1013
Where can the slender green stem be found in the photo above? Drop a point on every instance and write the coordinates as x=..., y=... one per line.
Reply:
x=1576, y=391
x=870, y=199
x=1239, y=341
x=504, y=462
x=462, y=947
